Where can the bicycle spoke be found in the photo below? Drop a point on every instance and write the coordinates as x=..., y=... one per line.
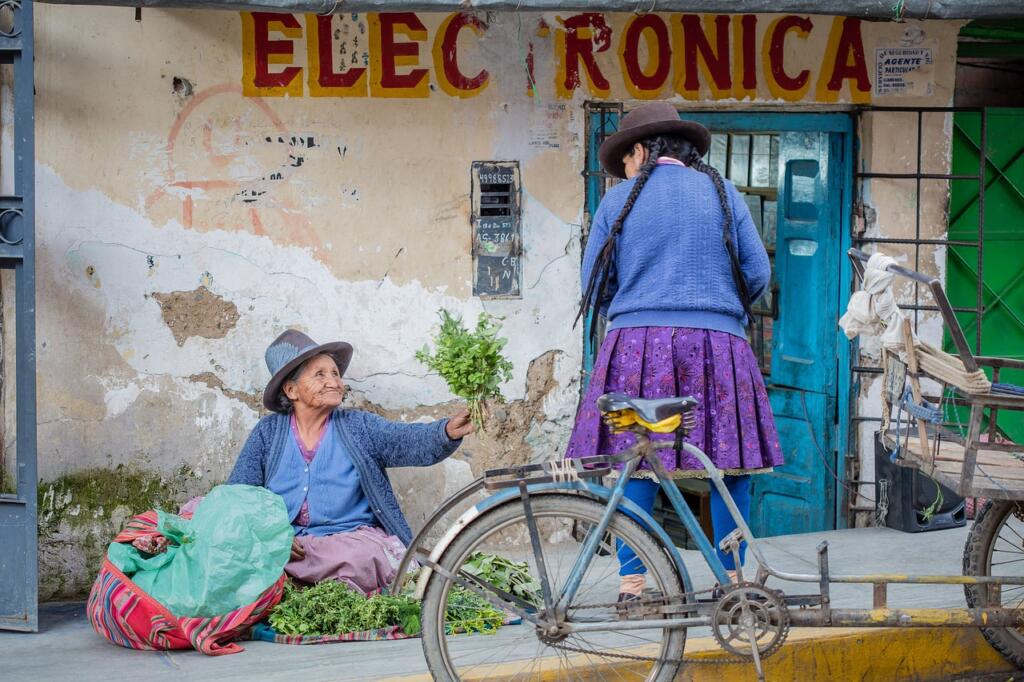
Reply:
x=1008, y=551
x=1013, y=546
x=1008, y=527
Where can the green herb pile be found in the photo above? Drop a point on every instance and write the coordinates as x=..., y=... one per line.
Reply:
x=467, y=612
x=470, y=362
x=505, y=574
x=333, y=608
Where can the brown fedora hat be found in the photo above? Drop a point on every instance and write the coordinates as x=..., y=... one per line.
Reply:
x=291, y=349
x=650, y=120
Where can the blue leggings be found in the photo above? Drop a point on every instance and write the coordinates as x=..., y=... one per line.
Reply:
x=643, y=491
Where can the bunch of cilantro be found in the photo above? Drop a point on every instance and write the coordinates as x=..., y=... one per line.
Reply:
x=470, y=362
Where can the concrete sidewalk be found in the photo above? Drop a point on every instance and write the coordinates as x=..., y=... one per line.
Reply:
x=66, y=648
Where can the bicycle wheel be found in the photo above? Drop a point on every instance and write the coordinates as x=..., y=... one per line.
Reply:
x=519, y=651
x=995, y=546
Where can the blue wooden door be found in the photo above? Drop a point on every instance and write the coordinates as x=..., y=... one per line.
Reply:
x=806, y=199
x=800, y=496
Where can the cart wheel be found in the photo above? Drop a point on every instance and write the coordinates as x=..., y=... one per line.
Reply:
x=995, y=546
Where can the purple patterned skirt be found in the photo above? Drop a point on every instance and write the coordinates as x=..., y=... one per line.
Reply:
x=735, y=427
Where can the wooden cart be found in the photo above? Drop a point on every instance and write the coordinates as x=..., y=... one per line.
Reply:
x=925, y=395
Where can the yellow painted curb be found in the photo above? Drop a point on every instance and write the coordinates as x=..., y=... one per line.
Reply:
x=861, y=654
x=812, y=655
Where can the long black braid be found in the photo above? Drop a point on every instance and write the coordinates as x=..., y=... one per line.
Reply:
x=599, y=275
x=678, y=148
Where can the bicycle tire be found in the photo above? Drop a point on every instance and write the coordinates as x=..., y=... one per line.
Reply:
x=978, y=551
x=570, y=508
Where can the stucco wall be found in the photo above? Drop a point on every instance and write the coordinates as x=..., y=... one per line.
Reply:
x=184, y=222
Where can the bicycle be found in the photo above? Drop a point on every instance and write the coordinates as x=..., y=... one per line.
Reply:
x=573, y=621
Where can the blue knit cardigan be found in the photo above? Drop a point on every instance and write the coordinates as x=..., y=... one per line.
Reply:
x=374, y=443
x=671, y=268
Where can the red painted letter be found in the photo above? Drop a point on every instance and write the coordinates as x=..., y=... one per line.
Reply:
x=260, y=52
x=324, y=81
x=777, y=51
x=652, y=28
x=584, y=36
x=446, y=62
x=748, y=33
x=387, y=54
x=849, y=62
x=697, y=46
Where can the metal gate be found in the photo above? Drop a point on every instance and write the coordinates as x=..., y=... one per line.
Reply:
x=18, y=479
x=994, y=219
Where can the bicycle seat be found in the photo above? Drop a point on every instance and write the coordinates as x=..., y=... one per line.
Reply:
x=650, y=410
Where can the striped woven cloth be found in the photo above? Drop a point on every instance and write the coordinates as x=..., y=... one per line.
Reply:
x=121, y=612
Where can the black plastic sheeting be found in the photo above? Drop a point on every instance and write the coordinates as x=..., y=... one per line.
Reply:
x=881, y=9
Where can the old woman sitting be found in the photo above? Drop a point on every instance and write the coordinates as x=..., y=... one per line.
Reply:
x=328, y=464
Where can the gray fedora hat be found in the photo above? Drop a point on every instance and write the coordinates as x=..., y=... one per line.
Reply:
x=291, y=349
x=650, y=120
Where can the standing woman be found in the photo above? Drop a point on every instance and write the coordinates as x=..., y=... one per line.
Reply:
x=674, y=262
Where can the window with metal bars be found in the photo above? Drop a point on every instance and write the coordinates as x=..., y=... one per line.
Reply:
x=911, y=247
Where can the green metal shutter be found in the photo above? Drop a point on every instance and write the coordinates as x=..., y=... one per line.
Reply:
x=1002, y=323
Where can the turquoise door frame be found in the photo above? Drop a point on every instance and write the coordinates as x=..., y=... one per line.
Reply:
x=810, y=380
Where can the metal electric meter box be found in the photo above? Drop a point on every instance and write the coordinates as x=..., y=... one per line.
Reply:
x=497, y=229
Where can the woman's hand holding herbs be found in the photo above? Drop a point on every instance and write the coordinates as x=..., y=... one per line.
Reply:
x=459, y=426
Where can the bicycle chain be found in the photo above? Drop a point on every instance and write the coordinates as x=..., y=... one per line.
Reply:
x=651, y=601
x=659, y=601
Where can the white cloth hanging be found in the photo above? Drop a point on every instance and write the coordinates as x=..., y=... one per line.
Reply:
x=873, y=309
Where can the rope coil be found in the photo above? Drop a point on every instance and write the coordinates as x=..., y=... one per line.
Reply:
x=950, y=369
x=563, y=471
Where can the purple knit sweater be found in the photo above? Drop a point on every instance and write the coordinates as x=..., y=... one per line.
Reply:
x=671, y=268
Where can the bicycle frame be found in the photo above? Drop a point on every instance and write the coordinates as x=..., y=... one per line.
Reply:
x=522, y=485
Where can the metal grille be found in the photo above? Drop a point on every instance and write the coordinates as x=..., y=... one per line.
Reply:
x=602, y=121
x=751, y=162
x=864, y=183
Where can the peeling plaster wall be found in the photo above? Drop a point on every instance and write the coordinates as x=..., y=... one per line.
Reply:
x=161, y=284
x=161, y=215
x=182, y=226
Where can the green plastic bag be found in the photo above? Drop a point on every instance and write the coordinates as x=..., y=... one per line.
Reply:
x=233, y=549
